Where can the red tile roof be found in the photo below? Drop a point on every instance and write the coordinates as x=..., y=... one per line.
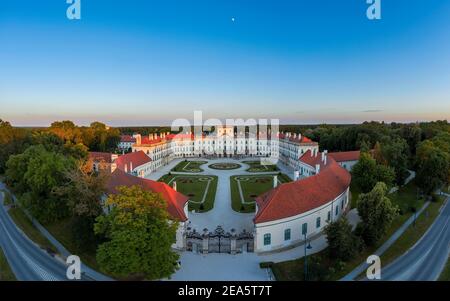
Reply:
x=100, y=157
x=127, y=138
x=148, y=141
x=175, y=200
x=180, y=136
x=302, y=140
x=301, y=196
x=133, y=159
x=345, y=156
x=311, y=160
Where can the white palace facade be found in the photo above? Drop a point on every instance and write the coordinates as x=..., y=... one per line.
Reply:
x=164, y=147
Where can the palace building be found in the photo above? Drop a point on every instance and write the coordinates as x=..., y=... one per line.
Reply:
x=286, y=216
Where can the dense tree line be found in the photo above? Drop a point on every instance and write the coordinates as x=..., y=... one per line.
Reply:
x=50, y=172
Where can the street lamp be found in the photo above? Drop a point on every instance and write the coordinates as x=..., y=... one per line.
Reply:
x=307, y=246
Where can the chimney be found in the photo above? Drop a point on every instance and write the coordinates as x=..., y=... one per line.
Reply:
x=275, y=181
x=174, y=185
x=325, y=157
x=296, y=175
x=317, y=168
x=113, y=167
x=126, y=168
x=299, y=136
x=131, y=167
x=150, y=137
x=138, y=138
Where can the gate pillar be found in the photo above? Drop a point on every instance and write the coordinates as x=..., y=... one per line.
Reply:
x=233, y=244
x=205, y=244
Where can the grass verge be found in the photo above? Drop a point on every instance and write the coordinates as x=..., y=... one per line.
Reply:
x=413, y=233
x=24, y=223
x=445, y=275
x=6, y=273
x=62, y=231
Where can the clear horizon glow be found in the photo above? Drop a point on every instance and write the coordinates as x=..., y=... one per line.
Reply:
x=150, y=62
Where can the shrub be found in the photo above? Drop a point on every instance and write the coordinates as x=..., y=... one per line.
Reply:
x=266, y=265
x=434, y=198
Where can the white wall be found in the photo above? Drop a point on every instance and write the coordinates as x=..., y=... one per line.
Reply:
x=277, y=228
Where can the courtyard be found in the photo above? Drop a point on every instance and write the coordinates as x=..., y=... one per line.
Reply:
x=218, y=210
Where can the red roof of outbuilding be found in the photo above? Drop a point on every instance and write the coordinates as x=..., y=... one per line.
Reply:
x=127, y=138
x=175, y=200
x=294, y=198
x=309, y=158
x=135, y=159
x=100, y=157
x=303, y=139
x=345, y=156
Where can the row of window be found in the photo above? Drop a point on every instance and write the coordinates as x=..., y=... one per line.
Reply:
x=287, y=232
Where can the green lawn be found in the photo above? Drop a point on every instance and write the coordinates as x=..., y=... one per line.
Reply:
x=24, y=223
x=252, y=186
x=194, y=187
x=445, y=275
x=189, y=166
x=62, y=231
x=5, y=271
x=405, y=198
x=256, y=166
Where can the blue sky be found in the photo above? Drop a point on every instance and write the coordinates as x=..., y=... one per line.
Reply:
x=148, y=62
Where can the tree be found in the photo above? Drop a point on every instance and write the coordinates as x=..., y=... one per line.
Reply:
x=395, y=153
x=433, y=162
x=83, y=192
x=38, y=172
x=366, y=173
x=376, y=212
x=13, y=141
x=140, y=235
x=343, y=244
x=434, y=171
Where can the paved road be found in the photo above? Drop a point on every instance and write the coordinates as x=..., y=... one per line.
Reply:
x=386, y=245
x=426, y=260
x=28, y=262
